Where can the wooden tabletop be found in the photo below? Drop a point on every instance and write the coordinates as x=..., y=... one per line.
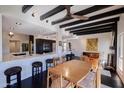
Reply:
x=73, y=70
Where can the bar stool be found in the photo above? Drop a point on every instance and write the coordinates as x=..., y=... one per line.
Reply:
x=72, y=56
x=69, y=56
x=49, y=63
x=13, y=71
x=36, y=68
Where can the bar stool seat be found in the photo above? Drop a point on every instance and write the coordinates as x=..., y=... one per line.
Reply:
x=13, y=71
x=38, y=66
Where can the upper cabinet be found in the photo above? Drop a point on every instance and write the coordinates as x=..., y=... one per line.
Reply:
x=44, y=46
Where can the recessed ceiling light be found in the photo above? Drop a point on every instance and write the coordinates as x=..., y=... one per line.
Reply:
x=33, y=14
x=11, y=34
x=18, y=23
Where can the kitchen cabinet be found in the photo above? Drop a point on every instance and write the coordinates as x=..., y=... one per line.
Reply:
x=44, y=46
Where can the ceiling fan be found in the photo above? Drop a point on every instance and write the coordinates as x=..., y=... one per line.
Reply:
x=69, y=15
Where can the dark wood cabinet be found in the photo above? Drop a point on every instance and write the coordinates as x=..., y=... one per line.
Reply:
x=31, y=38
x=44, y=46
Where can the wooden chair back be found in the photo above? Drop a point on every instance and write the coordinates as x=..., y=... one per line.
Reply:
x=63, y=59
x=57, y=81
x=93, y=79
x=56, y=61
x=84, y=58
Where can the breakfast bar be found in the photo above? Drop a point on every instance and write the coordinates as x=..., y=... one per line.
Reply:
x=24, y=61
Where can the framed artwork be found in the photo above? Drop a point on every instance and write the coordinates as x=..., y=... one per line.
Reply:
x=92, y=44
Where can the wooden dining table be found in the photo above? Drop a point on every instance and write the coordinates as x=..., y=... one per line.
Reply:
x=73, y=70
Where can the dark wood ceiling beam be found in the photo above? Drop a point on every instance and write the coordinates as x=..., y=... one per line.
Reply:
x=92, y=30
x=94, y=23
x=83, y=12
x=96, y=31
x=103, y=15
x=96, y=27
x=53, y=12
x=25, y=8
x=92, y=9
x=107, y=27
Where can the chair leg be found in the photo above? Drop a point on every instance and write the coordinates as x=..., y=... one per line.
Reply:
x=98, y=77
x=32, y=71
x=41, y=69
x=19, y=79
x=8, y=81
x=61, y=81
x=46, y=66
x=38, y=70
x=48, y=79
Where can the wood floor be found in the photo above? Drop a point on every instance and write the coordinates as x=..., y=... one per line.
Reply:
x=109, y=80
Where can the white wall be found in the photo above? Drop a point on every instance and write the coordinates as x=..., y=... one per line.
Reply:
x=104, y=41
x=120, y=31
x=21, y=37
x=0, y=37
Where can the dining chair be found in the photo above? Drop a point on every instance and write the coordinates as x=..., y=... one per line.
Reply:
x=84, y=58
x=91, y=60
x=92, y=80
x=63, y=59
x=56, y=61
x=94, y=63
x=88, y=81
x=57, y=81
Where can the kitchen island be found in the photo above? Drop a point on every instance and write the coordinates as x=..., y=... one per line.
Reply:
x=25, y=61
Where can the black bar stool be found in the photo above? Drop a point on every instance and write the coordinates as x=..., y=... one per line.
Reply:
x=72, y=56
x=36, y=68
x=13, y=71
x=49, y=63
x=69, y=56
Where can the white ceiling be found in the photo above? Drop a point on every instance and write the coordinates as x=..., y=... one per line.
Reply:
x=33, y=25
x=30, y=25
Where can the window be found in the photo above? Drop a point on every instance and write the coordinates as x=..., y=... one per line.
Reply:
x=121, y=49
